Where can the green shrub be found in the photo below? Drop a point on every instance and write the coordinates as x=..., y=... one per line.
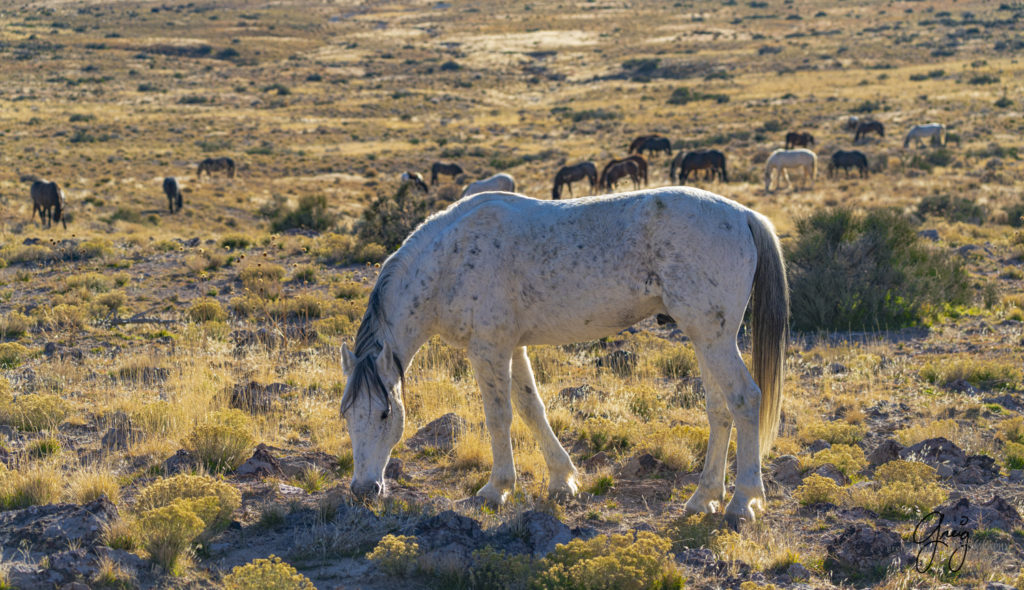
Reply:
x=905, y=489
x=169, y=531
x=311, y=213
x=817, y=489
x=35, y=485
x=43, y=447
x=185, y=488
x=642, y=561
x=345, y=249
x=952, y=208
x=1012, y=429
x=266, y=574
x=1014, y=453
x=983, y=374
x=832, y=432
x=847, y=458
x=206, y=310
x=12, y=355
x=306, y=274
x=390, y=219
x=223, y=441
x=305, y=306
x=864, y=272
x=396, y=555
x=235, y=241
x=34, y=411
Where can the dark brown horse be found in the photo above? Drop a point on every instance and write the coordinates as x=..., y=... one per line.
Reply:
x=846, y=160
x=639, y=141
x=211, y=165
x=570, y=174
x=619, y=170
x=48, y=200
x=452, y=170
x=711, y=160
x=173, y=191
x=415, y=178
x=653, y=143
x=641, y=166
x=865, y=127
x=795, y=138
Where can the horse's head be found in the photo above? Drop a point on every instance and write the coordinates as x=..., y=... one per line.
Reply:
x=372, y=408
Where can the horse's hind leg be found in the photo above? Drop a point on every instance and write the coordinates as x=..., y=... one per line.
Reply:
x=530, y=408
x=732, y=396
x=492, y=368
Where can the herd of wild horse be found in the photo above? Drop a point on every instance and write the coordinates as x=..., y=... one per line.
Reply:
x=48, y=200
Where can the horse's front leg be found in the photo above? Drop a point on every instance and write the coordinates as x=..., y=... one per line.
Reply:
x=493, y=375
x=562, y=474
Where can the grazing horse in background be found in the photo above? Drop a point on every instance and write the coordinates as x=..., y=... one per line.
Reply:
x=570, y=174
x=654, y=143
x=48, y=200
x=935, y=132
x=173, y=192
x=620, y=170
x=641, y=167
x=794, y=139
x=452, y=170
x=498, y=272
x=782, y=160
x=846, y=160
x=498, y=182
x=710, y=160
x=639, y=141
x=865, y=127
x=211, y=165
x=415, y=178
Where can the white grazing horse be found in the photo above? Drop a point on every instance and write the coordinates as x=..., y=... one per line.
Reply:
x=782, y=160
x=935, y=132
x=498, y=182
x=497, y=272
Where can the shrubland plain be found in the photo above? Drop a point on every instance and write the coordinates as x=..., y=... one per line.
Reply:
x=145, y=355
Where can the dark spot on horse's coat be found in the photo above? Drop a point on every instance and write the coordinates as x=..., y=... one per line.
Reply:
x=725, y=225
x=527, y=389
x=476, y=297
x=580, y=246
x=660, y=204
x=474, y=251
x=497, y=244
x=721, y=318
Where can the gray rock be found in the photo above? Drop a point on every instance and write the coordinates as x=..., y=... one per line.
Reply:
x=582, y=392
x=533, y=532
x=395, y=468
x=832, y=472
x=818, y=445
x=978, y=470
x=796, y=571
x=261, y=464
x=786, y=471
x=441, y=434
x=295, y=466
x=180, y=462
x=600, y=459
x=929, y=234
x=640, y=466
x=55, y=527
x=887, y=450
x=257, y=398
x=860, y=549
x=997, y=513
x=940, y=453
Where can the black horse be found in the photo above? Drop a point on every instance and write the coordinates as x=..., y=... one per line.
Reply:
x=652, y=143
x=846, y=160
x=173, y=192
x=712, y=160
x=795, y=138
x=48, y=201
x=641, y=166
x=570, y=174
x=865, y=127
x=621, y=169
x=442, y=168
x=211, y=165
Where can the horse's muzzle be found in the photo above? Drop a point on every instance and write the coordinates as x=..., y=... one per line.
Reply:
x=367, y=490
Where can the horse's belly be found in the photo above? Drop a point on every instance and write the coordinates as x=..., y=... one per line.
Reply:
x=563, y=326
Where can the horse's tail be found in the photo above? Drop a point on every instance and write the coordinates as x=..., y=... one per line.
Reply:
x=769, y=325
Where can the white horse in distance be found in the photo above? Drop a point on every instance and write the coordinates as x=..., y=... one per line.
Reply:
x=498, y=182
x=781, y=161
x=496, y=272
x=935, y=132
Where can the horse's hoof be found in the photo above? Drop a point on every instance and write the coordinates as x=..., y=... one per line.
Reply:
x=492, y=495
x=734, y=521
x=697, y=507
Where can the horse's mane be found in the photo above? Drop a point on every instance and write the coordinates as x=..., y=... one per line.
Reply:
x=374, y=329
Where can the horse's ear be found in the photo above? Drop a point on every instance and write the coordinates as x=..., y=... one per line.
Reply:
x=386, y=365
x=348, y=360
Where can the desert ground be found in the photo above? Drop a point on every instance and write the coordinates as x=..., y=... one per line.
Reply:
x=170, y=382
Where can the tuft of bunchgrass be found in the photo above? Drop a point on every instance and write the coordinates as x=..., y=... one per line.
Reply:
x=34, y=411
x=223, y=441
x=206, y=309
